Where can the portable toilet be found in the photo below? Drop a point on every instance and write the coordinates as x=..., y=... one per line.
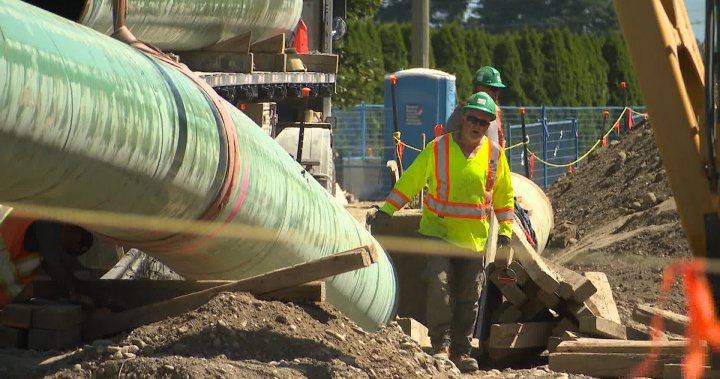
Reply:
x=424, y=98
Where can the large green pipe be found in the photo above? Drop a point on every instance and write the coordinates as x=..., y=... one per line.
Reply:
x=182, y=25
x=89, y=123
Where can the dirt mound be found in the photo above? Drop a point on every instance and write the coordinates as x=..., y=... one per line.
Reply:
x=236, y=335
x=626, y=219
x=625, y=178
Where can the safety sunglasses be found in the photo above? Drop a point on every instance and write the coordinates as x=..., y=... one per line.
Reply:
x=477, y=121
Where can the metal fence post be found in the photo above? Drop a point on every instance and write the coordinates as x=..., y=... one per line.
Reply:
x=577, y=140
x=545, y=132
x=363, y=129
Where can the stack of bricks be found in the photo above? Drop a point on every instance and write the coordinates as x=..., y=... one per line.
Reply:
x=41, y=326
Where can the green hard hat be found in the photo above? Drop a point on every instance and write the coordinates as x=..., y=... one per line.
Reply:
x=487, y=76
x=481, y=101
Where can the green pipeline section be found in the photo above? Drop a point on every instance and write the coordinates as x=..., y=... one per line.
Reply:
x=89, y=123
x=181, y=25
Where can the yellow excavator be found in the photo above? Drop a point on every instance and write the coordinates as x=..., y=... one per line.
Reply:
x=680, y=89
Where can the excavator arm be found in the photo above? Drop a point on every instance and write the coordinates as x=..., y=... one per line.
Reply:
x=672, y=77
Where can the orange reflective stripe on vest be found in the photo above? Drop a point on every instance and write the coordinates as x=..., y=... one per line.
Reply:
x=397, y=198
x=13, y=232
x=441, y=148
x=459, y=210
x=24, y=263
x=439, y=204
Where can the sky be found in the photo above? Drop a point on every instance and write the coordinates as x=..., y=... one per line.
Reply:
x=696, y=12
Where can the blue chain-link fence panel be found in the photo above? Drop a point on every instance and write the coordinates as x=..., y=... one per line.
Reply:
x=557, y=135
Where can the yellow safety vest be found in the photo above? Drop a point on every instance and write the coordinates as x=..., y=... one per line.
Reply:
x=17, y=265
x=462, y=192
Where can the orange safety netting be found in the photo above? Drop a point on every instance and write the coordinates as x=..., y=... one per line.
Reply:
x=703, y=327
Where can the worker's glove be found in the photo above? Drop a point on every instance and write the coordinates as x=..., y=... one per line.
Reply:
x=503, y=241
x=376, y=219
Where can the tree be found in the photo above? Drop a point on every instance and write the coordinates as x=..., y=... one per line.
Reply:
x=587, y=16
x=362, y=9
x=360, y=76
x=478, y=48
x=577, y=72
x=394, y=52
x=532, y=59
x=560, y=87
x=619, y=70
x=597, y=70
x=507, y=60
x=441, y=11
x=449, y=46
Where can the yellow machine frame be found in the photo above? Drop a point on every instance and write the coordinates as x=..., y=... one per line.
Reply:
x=671, y=75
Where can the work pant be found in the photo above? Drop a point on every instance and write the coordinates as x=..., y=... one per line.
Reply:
x=454, y=286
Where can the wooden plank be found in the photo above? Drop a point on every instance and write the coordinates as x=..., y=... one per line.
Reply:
x=271, y=45
x=497, y=311
x=415, y=330
x=13, y=337
x=109, y=323
x=18, y=315
x=602, y=303
x=510, y=315
x=601, y=345
x=535, y=267
x=601, y=327
x=269, y=62
x=606, y=365
x=674, y=371
x=672, y=322
x=577, y=310
x=490, y=296
x=521, y=275
x=308, y=292
x=504, y=257
x=57, y=317
x=535, y=310
x=553, y=343
x=508, y=287
x=520, y=335
x=326, y=63
x=41, y=339
x=210, y=61
x=574, y=285
x=551, y=300
x=565, y=324
x=237, y=44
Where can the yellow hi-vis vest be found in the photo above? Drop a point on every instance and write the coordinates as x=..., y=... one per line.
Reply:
x=462, y=192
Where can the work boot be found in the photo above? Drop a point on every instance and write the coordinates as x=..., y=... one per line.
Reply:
x=441, y=352
x=465, y=363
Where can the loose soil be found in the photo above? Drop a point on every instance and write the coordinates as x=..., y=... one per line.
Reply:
x=627, y=221
x=622, y=231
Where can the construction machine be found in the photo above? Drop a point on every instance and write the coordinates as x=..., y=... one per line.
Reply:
x=679, y=87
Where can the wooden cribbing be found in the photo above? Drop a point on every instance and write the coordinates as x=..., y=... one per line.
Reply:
x=102, y=324
x=672, y=322
x=601, y=345
x=598, y=326
x=606, y=364
x=534, y=265
x=602, y=303
x=573, y=286
x=508, y=287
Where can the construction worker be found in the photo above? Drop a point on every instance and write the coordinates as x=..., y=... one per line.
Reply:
x=27, y=244
x=486, y=79
x=468, y=177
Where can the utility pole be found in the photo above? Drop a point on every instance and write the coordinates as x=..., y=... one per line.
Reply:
x=420, y=33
